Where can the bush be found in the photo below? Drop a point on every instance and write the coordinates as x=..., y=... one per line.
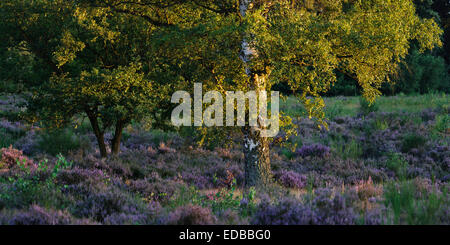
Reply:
x=412, y=141
x=11, y=157
x=160, y=190
x=287, y=212
x=366, y=107
x=59, y=141
x=333, y=208
x=442, y=124
x=22, y=187
x=77, y=175
x=36, y=215
x=191, y=215
x=291, y=179
x=322, y=208
x=315, y=150
x=410, y=205
x=231, y=217
x=100, y=206
x=9, y=133
x=423, y=73
x=397, y=164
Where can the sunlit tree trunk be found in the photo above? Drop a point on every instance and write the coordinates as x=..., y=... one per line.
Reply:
x=256, y=148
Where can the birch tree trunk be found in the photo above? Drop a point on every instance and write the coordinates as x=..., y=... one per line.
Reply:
x=256, y=148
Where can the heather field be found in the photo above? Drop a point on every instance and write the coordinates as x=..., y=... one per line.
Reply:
x=224, y=113
x=388, y=163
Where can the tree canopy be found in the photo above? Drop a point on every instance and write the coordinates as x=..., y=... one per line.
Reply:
x=116, y=61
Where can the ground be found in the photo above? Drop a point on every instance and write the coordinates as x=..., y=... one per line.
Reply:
x=382, y=164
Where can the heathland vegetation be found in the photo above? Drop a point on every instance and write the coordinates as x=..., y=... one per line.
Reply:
x=85, y=106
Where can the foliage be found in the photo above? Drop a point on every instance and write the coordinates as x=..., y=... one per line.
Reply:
x=291, y=179
x=111, y=89
x=10, y=133
x=397, y=164
x=315, y=150
x=407, y=208
x=322, y=209
x=367, y=107
x=191, y=215
x=118, y=61
x=37, y=215
x=328, y=182
x=423, y=73
x=59, y=142
x=10, y=157
x=442, y=124
x=106, y=205
x=412, y=141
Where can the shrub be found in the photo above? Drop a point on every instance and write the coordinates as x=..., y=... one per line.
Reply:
x=31, y=187
x=11, y=157
x=28, y=143
x=375, y=144
x=231, y=217
x=315, y=150
x=324, y=207
x=397, y=164
x=125, y=219
x=59, y=141
x=287, y=153
x=6, y=139
x=286, y=212
x=199, y=181
x=367, y=189
x=100, y=205
x=423, y=73
x=349, y=150
x=165, y=149
x=36, y=215
x=376, y=216
x=79, y=175
x=10, y=133
x=366, y=107
x=412, y=141
x=146, y=139
x=291, y=179
x=410, y=205
x=191, y=215
x=442, y=124
x=157, y=190
x=334, y=208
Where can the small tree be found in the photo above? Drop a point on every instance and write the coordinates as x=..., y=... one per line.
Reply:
x=91, y=61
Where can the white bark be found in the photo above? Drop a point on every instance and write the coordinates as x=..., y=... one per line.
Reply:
x=256, y=151
x=246, y=55
x=247, y=52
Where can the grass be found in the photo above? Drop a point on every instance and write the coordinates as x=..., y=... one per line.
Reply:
x=397, y=164
x=8, y=138
x=350, y=106
x=407, y=208
x=349, y=150
x=61, y=141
